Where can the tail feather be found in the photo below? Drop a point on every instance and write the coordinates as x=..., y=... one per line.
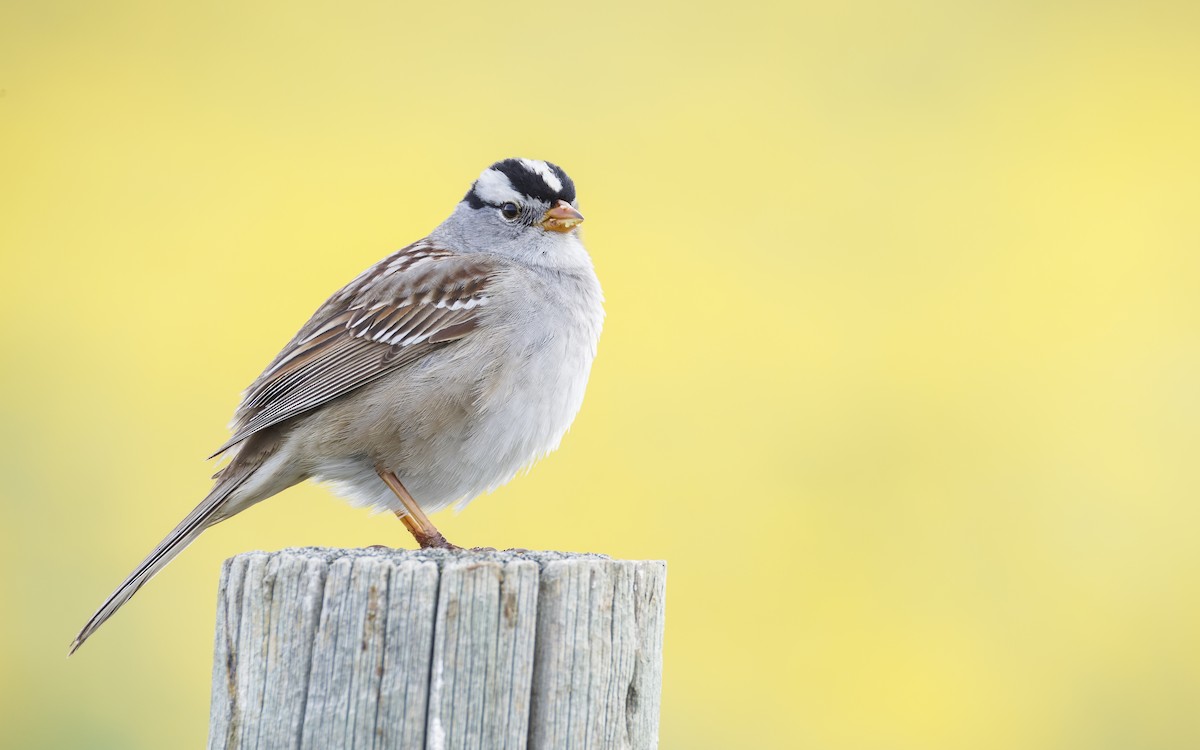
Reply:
x=203, y=516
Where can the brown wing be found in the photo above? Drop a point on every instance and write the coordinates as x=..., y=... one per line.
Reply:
x=393, y=314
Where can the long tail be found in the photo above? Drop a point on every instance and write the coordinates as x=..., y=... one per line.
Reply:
x=204, y=515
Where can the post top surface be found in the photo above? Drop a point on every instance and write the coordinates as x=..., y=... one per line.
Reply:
x=440, y=557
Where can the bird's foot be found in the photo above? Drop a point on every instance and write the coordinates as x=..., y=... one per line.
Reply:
x=434, y=540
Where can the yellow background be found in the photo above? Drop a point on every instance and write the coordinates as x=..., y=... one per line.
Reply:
x=900, y=371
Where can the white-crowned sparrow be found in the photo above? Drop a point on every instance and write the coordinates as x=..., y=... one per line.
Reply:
x=441, y=371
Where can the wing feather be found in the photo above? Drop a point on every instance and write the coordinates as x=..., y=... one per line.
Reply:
x=396, y=312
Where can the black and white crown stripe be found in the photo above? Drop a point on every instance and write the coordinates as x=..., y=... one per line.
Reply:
x=519, y=181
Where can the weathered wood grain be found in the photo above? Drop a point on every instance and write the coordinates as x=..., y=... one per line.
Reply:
x=380, y=648
x=598, y=666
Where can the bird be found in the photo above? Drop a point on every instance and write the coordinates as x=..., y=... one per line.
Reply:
x=435, y=376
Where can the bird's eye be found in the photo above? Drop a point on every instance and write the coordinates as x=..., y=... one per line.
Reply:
x=510, y=211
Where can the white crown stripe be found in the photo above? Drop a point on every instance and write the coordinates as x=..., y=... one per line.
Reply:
x=493, y=186
x=541, y=169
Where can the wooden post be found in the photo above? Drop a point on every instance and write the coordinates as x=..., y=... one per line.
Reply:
x=428, y=649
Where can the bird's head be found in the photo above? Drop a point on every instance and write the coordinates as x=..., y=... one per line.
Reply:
x=524, y=208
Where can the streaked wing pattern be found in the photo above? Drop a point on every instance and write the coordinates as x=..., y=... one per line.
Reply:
x=393, y=314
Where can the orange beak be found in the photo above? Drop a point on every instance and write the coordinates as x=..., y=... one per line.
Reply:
x=562, y=218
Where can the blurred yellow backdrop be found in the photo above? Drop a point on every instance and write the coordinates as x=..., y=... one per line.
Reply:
x=900, y=371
